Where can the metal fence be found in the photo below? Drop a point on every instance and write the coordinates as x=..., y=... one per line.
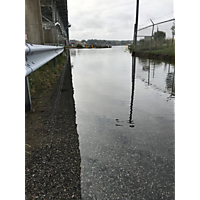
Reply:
x=157, y=35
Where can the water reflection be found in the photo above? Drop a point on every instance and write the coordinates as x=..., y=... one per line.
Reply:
x=162, y=77
x=119, y=162
x=148, y=66
x=132, y=91
x=73, y=52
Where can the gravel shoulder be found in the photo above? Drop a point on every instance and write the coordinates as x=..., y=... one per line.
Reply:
x=52, y=169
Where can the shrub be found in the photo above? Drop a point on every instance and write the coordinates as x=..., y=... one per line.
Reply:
x=79, y=45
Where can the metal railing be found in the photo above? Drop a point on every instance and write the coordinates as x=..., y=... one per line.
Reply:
x=35, y=57
x=38, y=55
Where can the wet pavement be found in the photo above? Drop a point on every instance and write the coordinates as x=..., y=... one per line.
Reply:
x=125, y=127
x=104, y=132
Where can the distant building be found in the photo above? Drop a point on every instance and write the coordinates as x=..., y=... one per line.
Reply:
x=74, y=42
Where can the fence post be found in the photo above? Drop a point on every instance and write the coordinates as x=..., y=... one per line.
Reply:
x=151, y=35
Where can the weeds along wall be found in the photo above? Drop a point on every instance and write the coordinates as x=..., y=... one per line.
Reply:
x=43, y=78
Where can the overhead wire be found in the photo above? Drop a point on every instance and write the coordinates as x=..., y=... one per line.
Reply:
x=163, y=15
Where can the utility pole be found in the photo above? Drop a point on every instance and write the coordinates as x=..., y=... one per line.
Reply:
x=135, y=29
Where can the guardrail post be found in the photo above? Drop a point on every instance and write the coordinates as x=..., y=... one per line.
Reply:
x=28, y=104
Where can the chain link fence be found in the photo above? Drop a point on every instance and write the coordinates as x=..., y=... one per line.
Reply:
x=156, y=36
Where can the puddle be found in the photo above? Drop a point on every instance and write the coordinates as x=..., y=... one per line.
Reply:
x=125, y=124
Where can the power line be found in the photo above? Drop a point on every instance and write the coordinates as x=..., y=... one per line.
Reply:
x=157, y=18
x=163, y=16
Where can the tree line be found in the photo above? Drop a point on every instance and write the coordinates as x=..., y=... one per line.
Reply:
x=102, y=42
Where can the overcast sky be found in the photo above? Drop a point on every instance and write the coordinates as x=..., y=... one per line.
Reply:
x=114, y=19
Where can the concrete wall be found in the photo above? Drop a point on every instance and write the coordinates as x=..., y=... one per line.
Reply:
x=34, y=30
x=51, y=36
x=33, y=22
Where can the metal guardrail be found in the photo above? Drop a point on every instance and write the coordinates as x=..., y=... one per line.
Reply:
x=38, y=55
x=35, y=57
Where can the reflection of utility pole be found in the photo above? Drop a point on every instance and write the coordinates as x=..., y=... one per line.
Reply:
x=135, y=29
x=154, y=69
x=149, y=73
x=173, y=87
x=132, y=92
x=169, y=69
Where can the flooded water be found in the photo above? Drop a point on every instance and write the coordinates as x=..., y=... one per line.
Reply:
x=125, y=123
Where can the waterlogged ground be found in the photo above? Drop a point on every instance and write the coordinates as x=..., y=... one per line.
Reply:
x=107, y=135
x=125, y=125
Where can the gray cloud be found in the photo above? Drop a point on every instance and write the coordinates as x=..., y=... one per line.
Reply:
x=114, y=19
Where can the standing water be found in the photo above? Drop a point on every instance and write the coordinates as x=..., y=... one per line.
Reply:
x=125, y=125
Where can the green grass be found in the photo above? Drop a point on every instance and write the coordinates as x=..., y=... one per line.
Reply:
x=166, y=51
x=42, y=79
